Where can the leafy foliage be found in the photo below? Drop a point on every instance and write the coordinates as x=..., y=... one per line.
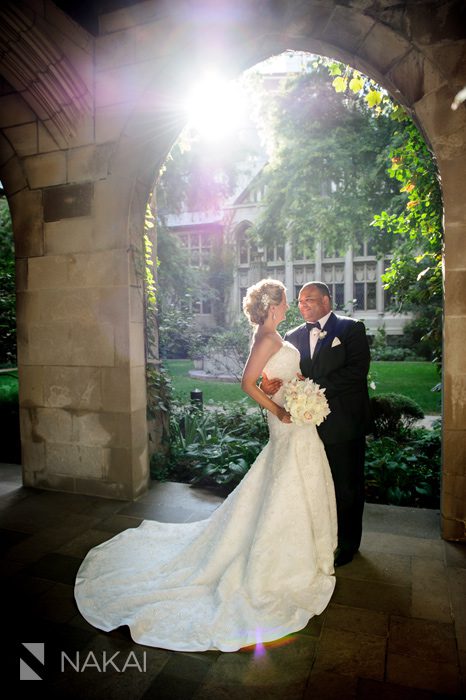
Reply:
x=7, y=288
x=323, y=182
x=405, y=472
x=392, y=414
x=212, y=447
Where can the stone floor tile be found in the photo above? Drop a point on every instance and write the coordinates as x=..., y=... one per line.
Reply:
x=375, y=690
x=324, y=685
x=180, y=677
x=430, y=592
x=10, y=538
x=118, y=522
x=423, y=673
x=57, y=603
x=367, y=594
x=455, y=554
x=417, y=522
x=79, y=546
x=60, y=568
x=402, y=544
x=315, y=624
x=277, y=671
x=457, y=587
x=376, y=566
x=422, y=639
x=360, y=620
x=351, y=654
x=164, y=513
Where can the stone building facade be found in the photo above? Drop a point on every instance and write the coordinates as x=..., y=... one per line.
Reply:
x=89, y=108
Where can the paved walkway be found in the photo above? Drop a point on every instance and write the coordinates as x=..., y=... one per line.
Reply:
x=395, y=627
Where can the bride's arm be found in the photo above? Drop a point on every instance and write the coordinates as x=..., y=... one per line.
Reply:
x=261, y=351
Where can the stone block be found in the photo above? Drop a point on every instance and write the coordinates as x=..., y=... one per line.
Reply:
x=112, y=201
x=77, y=388
x=26, y=213
x=123, y=84
x=116, y=388
x=110, y=121
x=407, y=73
x=47, y=142
x=138, y=388
x=347, y=30
x=13, y=176
x=454, y=328
x=102, y=429
x=131, y=16
x=453, y=530
x=89, y=162
x=454, y=407
x=32, y=456
x=395, y=48
x=455, y=249
x=23, y=138
x=46, y=170
x=49, y=481
x=71, y=344
x=6, y=151
x=454, y=449
x=80, y=270
x=31, y=386
x=78, y=461
x=137, y=345
x=14, y=110
x=21, y=274
x=69, y=236
x=68, y=201
x=136, y=297
x=139, y=428
x=104, y=489
x=455, y=294
x=67, y=28
x=48, y=424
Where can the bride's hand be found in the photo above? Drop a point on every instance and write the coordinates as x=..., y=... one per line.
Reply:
x=283, y=415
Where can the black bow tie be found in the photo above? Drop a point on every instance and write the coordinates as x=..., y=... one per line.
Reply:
x=310, y=326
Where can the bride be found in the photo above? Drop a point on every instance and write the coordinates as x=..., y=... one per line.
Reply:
x=261, y=565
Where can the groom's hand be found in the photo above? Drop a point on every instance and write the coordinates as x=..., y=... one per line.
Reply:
x=270, y=386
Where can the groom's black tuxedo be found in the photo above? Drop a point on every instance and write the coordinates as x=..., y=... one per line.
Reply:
x=340, y=364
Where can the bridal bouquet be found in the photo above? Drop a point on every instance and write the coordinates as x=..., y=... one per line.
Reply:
x=305, y=401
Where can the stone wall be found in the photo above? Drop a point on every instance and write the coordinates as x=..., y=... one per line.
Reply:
x=86, y=123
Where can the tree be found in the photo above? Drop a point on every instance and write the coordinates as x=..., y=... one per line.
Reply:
x=327, y=174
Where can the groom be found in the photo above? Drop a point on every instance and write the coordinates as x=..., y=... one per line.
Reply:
x=335, y=354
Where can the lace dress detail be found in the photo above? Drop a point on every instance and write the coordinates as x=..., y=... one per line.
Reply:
x=257, y=569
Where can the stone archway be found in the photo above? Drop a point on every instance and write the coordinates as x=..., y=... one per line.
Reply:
x=134, y=69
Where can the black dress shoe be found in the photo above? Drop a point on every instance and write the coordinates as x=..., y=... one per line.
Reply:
x=342, y=557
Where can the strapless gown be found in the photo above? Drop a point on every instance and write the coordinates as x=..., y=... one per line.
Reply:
x=256, y=570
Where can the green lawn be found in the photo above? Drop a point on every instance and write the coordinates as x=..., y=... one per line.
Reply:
x=413, y=379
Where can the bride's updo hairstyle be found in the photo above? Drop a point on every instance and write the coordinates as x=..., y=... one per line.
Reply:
x=260, y=297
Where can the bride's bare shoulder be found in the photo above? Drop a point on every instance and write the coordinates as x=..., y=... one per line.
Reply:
x=267, y=341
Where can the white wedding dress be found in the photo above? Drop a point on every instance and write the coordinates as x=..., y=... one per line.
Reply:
x=257, y=569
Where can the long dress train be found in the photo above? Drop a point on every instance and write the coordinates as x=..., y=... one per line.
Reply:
x=257, y=569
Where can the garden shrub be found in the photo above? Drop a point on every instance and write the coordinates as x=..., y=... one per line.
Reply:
x=405, y=473
x=393, y=413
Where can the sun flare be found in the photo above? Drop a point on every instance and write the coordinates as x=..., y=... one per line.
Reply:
x=214, y=107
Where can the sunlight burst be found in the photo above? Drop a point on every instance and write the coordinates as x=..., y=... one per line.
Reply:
x=215, y=107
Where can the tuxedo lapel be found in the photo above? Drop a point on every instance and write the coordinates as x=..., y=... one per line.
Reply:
x=325, y=342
